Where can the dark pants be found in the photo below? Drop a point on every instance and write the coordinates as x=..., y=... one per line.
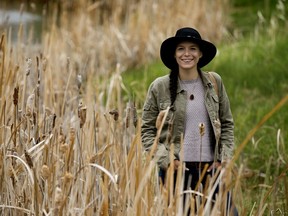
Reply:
x=192, y=172
x=192, y=175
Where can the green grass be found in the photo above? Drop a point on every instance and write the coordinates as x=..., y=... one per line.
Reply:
x=138, y=80
x=244, y=15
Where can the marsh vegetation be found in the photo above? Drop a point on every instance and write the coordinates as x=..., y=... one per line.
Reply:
x=71, y=109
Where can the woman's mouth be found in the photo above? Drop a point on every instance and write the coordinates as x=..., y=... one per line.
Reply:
x=186, y=60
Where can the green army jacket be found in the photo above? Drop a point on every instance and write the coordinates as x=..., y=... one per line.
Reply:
x=158, y=99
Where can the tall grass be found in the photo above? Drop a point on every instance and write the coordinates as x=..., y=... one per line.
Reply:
x=69, y=144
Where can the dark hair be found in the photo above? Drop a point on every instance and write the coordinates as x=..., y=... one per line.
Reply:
x=173, y=85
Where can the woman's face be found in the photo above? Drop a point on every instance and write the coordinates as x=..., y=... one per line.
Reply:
x=187, y=55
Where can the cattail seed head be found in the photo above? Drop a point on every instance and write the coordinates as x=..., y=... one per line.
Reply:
x=67, y=177
x=45, y=171
x=64, y=147
x=30, y=105
x=15, y=95
x=115, y=114
x=58, y=196
x=159, y=119
x=93, y=158
x=82, y=110
x=28, y=66
x=28, y=159
x=54, y=120
x=202, y=129
x=128, y=113
x=170, y=130
x=61, y=139
x=79, y=80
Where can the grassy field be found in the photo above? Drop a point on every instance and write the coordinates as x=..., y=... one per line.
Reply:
x=68, y=141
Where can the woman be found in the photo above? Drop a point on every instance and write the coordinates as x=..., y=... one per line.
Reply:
x=192, y=98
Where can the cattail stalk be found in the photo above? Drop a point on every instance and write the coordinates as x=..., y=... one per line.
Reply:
x=2, y=49
x=27, y=73
x=201, y=132
x=15, y=102
x=37, y=99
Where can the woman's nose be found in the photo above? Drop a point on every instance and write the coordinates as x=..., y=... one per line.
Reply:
x=186, y=52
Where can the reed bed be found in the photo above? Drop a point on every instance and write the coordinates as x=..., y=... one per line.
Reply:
x=69, y=144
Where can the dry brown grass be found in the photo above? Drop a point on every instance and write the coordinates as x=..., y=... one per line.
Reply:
x=129, y=33
x=68, y=144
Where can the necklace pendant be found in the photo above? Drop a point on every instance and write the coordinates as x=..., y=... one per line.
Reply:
x=191, y=97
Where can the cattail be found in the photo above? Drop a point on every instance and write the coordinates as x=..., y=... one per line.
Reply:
x=58, y=196
x=79, y=81
x=45, y=172
x=82, y=110
x=54, y=120
x=67, y=177
x=23, y=119
x=38, y=69
x=15, y=101
x=72, y=135
x=217, y=125
x=30, y=105
x=15, y=95
x=202, y=132
x=115, y=114
x=63, y=148
x=160, y=118
x=127, y=118
x=61, y=137
x=28, y=159
x=170, y=129
x=34, y=118
x=93, y=158
x=1, y=160
x=131, y=114
x=135, y=117
x=202, y=129
x=28, y=66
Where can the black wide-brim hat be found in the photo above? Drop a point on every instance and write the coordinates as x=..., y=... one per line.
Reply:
x=168, y=47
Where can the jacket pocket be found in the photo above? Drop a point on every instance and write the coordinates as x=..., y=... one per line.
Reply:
x=215, y=101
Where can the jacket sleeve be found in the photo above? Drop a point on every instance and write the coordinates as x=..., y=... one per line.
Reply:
x=227, y=124
x=149, y=130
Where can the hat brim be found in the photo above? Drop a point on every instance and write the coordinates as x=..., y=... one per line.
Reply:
x=168, y=47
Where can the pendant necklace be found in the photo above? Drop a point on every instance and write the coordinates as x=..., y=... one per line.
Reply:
x=186, y=85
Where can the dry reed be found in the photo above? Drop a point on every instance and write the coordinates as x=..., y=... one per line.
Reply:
x=66, y=145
